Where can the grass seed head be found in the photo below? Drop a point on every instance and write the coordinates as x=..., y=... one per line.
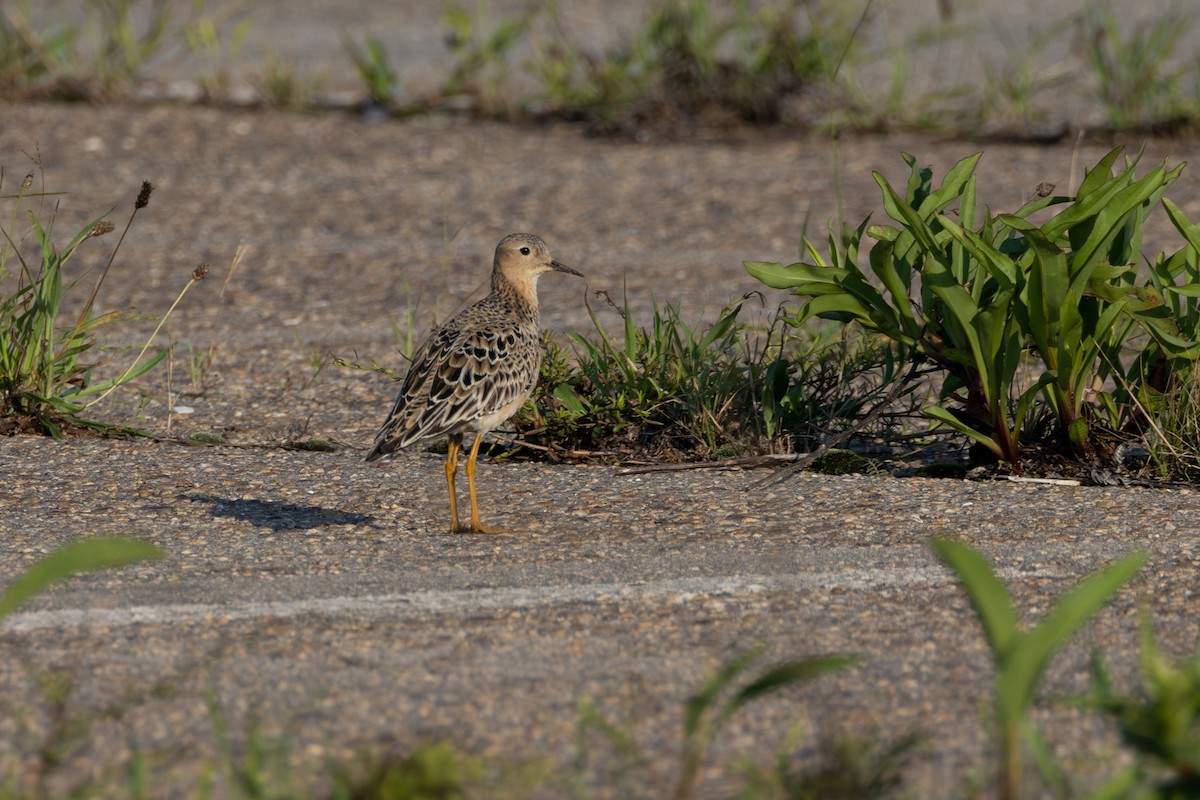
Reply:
x=143, y=198
x=101, y=228
x=200, y=272
x=25, y=184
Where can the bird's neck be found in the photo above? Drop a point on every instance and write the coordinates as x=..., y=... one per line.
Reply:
x=520, y=293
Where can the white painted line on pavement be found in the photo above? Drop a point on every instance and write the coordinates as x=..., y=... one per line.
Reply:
x=433, y=602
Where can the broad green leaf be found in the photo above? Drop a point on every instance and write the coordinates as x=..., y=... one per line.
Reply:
x=720, y=329
x=1110, y=273
x=1121, y=786
x=1078, y=431
x=1095, y=192
x=1049, y=307
x=811, y=248
x=976, y=331
x=789, y=673
x=1032, y=652
x=900, y=211
x=840, y=294
x=81, y=556
x=987, y=593
x=772, y=273
x=847, y=257
x=841, y=307
x=1110, y=218
x=897, y=285
x=1000, y=267
x=61, y=403
x=1038, y=204
x=959, y=179
x=703, y=700
x=1098, y=175
x=800, y=276
x=967, y=206
x=919, y=181
x=131, y=374
x=1186, y=228
x=883, y=233
x=569, y=398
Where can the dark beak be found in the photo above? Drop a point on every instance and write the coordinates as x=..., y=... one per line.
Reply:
x=564, y=268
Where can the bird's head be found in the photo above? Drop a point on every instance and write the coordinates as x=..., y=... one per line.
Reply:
x=522, y=257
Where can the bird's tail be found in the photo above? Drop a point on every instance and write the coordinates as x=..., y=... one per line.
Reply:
x=382, y=447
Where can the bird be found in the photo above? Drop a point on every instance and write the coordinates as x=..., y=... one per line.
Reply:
x=477, y=370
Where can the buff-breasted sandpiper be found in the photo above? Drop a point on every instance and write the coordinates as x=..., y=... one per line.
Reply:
x=477, y=370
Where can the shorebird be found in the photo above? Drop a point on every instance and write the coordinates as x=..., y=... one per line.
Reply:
x=477, y=370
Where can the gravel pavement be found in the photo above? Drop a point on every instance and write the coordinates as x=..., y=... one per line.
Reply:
x=319, y=596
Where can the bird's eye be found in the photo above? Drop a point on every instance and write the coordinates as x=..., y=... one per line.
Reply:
x=524, y=251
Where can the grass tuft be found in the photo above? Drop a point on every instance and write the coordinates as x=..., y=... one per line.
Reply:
x=1174, y=437
x=673, y=391
x=47, y=378
x=1139, y=81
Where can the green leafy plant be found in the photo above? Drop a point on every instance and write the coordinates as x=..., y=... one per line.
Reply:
x=1137, y=81
x=600, y=90
x=735, y=63
x=200, y=365
x=668, y=378
x=1161, y=387
x=770, y=62
x=65, y=730
x=482, y=52
x=740, y=63
x=812, y=385
x=729, y=689
x=92, y=50
x=1013, y=83
x=284, y=83
x=958, y=315
x=845, y=768
x=708, y=711
x=1081, y=305
x=431, y=772
x=375, y=68
x=45, y=380
x=215, y=46
x=1173, y=439
x=981, y=296
x=1021, y=656
x=1161, y=724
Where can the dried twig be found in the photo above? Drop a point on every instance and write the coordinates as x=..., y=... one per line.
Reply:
x=1049, y=481
x=514, y=442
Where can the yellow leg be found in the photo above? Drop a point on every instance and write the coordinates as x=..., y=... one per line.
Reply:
x=451, y=468
x=476, y=526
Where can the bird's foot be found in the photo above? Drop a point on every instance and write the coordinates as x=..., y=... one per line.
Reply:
x=477, y=527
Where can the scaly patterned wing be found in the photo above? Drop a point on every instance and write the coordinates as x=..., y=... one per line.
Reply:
x=464, y=373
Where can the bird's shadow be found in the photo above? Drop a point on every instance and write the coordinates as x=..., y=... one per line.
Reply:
x=276, y=515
